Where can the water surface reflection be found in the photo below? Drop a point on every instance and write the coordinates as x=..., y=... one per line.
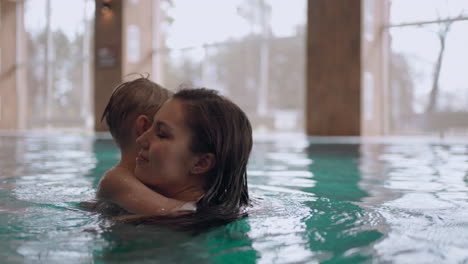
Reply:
x=313, y=203
x=428, y=219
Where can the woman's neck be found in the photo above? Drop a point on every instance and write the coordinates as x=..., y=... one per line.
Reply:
x=183, y=193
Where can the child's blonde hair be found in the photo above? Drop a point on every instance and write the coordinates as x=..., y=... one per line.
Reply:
x=128, y=101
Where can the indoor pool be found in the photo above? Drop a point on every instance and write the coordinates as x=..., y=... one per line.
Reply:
x=315, y=201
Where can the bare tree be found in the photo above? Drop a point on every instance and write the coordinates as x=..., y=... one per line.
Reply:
x=442, y=33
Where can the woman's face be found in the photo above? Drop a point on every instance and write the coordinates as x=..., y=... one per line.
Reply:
x=165, y=160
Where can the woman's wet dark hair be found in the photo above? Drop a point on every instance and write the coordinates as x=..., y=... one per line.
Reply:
x=220, y=127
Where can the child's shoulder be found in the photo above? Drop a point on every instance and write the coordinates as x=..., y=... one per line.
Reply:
x=118, y=170
x=112, y=180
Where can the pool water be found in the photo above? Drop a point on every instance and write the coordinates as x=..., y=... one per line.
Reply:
x=314, y=202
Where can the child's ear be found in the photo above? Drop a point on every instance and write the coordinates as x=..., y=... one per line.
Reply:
x=143, y=123
x=204, y=163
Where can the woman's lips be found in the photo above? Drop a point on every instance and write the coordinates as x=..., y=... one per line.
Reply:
x=141, y=158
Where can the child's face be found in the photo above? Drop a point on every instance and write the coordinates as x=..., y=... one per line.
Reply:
x=165, y=161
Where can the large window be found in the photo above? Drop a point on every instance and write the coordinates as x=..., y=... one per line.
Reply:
x=58, y=37
x=252, y=51
x=428, y=62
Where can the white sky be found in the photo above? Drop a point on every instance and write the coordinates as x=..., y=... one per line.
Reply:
x=403, y=11
x=209, y=21
x=67, y=15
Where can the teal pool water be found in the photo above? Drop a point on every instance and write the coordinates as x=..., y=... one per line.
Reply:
x=314, y=202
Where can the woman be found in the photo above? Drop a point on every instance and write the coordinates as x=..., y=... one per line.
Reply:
x=197, y=151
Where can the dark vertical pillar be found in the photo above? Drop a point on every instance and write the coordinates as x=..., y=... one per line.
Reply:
x=123, y=45
x=333, y=71
x=108, y=66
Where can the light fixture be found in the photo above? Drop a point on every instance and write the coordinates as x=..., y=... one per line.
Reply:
x=106, y=6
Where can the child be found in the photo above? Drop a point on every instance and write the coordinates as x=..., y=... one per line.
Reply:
x=128, y=114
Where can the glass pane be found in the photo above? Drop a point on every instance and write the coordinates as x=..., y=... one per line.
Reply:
x=250, y=50
x=233, y=68
x=288, y=18
x=180, y=67
x=35, y=21
x=427, y=98
x=453, y=77
x=286, y=83
x=58, y=37
x=189, y=28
